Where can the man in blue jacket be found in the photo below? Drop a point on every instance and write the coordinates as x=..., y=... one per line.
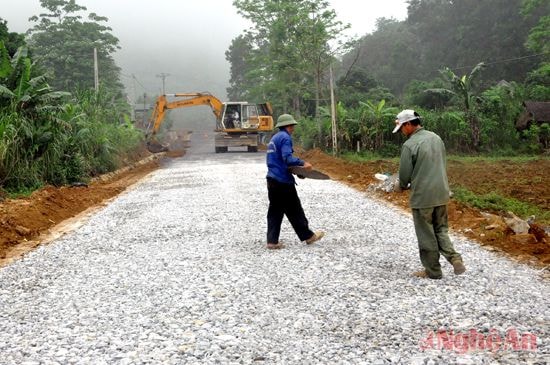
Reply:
x=281, y=189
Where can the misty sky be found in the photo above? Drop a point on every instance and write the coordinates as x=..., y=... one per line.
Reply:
x=185, y=38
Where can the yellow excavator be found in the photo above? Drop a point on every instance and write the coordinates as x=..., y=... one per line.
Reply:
x=237, y=123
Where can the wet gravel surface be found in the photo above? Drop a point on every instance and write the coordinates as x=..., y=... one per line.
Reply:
x=175, y=271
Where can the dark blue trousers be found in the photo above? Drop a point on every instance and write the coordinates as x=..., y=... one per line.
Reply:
x=283, y=200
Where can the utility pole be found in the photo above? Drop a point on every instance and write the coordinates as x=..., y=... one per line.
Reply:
x=133, y=109
x=134, y=98
x=333, y=116
x=96, y=71
x=145, y=111
x=134, y=95
x=163, y=76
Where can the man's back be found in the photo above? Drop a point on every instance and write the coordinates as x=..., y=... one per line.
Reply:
x=423, y=163
x=279, y=158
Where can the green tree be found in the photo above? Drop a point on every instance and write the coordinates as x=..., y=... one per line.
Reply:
x=391, y=54
x=290, y=50
x=460, y=34
x=538, y=83
x=354, y=85
x=64, y=44
x=237, y=56
x=22, y=87
x=416, y=94
x=29, y=132
x=12, y=41
x=348, y=127
x=499, y=110
x=539, y=36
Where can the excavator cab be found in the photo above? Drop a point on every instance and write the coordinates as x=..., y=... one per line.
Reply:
x=246, y=116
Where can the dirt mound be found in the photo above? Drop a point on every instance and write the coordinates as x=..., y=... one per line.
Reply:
x=23, y=220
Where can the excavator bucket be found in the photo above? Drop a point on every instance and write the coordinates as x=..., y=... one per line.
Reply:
x=155, y=146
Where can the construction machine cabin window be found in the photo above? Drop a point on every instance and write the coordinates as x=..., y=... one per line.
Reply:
x=250, y=117
x=232, y=116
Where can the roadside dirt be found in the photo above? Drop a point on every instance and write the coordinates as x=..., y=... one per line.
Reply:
x=25, y=223
x=28, y=222
x=528, y=182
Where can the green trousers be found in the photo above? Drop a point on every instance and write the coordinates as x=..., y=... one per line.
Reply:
x=432, y=230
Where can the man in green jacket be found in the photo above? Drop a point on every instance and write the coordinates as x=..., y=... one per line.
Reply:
x=422, y=168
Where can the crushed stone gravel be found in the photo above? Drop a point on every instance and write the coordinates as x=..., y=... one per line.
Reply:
x=175, y=271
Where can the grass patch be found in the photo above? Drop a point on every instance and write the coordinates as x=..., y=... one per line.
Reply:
x=22, y=192
x=498, y=203
x=511, y=159
x=367, y=157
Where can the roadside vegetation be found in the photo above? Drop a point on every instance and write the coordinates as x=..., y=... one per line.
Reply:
x=467, y=67
x=55, y=128
x=468, y=90
x=483, y=192
x=496, y=202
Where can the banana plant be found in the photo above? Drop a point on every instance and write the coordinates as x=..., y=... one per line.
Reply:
x=463, y=88
x=22, y=88
x=373, y=122
x=348, y=126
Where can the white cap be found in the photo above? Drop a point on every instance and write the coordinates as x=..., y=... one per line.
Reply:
x=405, y=116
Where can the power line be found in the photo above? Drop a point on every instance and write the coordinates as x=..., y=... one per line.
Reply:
x=471, y=66
x=505, y=60
x=139, y=83
x=163, y=76
x=135, y=78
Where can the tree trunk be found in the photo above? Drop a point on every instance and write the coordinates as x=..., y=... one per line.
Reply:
x=476, y=130
x=317, y=97
x=296, y=106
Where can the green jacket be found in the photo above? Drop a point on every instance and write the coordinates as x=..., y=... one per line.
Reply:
x=423, y=165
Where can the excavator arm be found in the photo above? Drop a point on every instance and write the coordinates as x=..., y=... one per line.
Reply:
x=189, y=99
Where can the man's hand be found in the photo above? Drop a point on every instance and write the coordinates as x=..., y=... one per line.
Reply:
x=308, y=166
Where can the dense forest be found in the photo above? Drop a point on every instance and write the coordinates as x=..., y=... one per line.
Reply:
x=466, y=66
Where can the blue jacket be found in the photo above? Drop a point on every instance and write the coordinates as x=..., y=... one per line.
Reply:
x=279, y=158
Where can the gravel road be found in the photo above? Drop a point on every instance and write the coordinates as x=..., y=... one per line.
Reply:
x=175, y=271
